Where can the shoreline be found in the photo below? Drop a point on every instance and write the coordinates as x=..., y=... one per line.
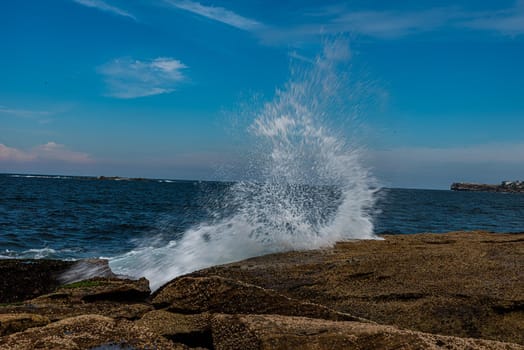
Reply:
x=406, y=290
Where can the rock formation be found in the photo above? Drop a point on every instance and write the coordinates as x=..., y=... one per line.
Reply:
x=505, y=186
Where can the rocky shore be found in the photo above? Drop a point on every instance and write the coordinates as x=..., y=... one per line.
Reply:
x=461, y=290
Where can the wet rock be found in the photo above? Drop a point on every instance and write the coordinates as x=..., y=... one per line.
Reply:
x=250, y=332
x=191, y=330
x=99, y=289
x=87, y=332
x=190, y=295
x=24, y=279
x=12, y=323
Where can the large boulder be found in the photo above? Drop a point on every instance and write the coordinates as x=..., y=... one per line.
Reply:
x=87, y=332
x=12, y=323
x=254, y=332
x=191, y=295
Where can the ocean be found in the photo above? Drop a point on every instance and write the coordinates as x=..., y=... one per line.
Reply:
x=63, y=217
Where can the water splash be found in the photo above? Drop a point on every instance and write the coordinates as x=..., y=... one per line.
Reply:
x=307, y=187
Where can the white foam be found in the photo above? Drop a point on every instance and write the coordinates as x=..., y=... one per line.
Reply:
x=41, y=176
x=309, y=189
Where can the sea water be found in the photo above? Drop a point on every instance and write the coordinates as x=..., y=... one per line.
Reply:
x=74, y=218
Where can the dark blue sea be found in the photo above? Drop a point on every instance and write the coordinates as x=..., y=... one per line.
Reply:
x=73, y=217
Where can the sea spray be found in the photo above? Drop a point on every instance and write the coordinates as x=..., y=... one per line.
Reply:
x=305, y=188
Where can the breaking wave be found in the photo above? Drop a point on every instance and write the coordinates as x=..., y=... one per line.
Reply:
x=305, y=184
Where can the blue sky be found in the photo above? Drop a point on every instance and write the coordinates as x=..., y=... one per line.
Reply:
x=148, y=88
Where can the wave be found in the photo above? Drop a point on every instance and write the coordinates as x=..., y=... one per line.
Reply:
x=306, y=186
x=41, y=176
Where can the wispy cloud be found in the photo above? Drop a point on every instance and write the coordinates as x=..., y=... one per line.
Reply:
x=509, y=21
x=104, y=6
x=129, y=78
x=390, y=24
x=50, y=151
x=218, y=14
x=377, y=24
x=14, y=154
x=24, y=113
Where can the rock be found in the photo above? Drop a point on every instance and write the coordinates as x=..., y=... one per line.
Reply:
x=87, y=332
x=253, y=332
x=505, y=186
x=99, y=289
x=117, y=298
x=465, y=284
x=12, y=323
x=60, y=310
x=26, y=279
x=190, y=295
x=191, y=330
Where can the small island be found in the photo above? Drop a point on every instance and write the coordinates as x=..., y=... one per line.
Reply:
x=504, y=186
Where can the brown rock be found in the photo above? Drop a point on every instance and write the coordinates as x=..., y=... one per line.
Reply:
x=99, y=289
x=12, y=323
x=117, y=298
x=466, y=284
x=86, y=332
x=253, y=332
x=59, y=311
x=222, y=295
x=24, y=279
x=191, y=330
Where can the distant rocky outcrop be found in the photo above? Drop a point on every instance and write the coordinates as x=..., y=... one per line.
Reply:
x=504, y=186
x=461, y=290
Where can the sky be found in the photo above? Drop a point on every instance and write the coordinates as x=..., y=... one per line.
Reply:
x=149, y=88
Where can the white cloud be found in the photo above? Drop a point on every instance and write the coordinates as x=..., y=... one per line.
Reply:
x=128, y=78
x=218, y=14
x=389, y=24
x=13, y=154
x=104, y=6
x=55, y=151
x=377, y=24
x=24, y=113
x=510, y=21
x=50, y=151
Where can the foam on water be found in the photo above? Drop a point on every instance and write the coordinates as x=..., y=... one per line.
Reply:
x=306, y=189
x=42, y=253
